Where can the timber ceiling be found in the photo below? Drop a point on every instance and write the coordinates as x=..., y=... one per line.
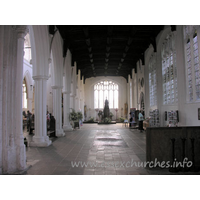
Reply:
x=107, y=50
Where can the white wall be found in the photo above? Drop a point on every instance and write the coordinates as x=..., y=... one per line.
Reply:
x=89, y=94
x=188, y=112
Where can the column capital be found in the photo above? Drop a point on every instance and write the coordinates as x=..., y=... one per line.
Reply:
x=21, y=30
x=56, y=87
x=39, y=77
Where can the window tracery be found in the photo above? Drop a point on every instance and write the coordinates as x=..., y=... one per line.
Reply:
x=106, y=90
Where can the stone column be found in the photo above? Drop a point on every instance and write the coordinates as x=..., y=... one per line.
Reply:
x=21, y=152
x=67, y=126
x=72, y=101
x=40, y=138
x=81, y=105
x=76, y=104
x=66, y=93
x=58, y=110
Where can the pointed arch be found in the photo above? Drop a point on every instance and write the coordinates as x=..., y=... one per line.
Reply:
x=39, y=38
x=57, y=66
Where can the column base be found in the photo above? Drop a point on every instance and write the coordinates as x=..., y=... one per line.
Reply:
x=60, y=133
x=18, y=172
x=67, y=128
x=21, y=151
x=40, y=141
x=15, y=160
x=11, y=160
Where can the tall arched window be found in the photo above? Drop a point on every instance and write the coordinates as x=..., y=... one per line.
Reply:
x=169, y=71
x=106, y=90
x=192, y=63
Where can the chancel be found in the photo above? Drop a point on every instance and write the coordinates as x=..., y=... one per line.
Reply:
x=106, y=73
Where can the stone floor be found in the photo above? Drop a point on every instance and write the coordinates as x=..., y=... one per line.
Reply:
x=105, y=149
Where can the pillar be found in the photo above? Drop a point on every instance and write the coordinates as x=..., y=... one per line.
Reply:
x=67, y=126
x=67, y=90
x=72, y=101
x=76, y=104
x=40, y=138
x=19, y=138
x=58, y=110
x=81, y=105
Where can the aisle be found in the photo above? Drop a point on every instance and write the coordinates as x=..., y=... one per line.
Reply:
x=105, y=149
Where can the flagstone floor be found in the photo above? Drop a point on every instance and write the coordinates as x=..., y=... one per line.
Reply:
x=93, y=150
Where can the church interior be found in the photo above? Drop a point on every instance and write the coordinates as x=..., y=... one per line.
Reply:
x=99, y=99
